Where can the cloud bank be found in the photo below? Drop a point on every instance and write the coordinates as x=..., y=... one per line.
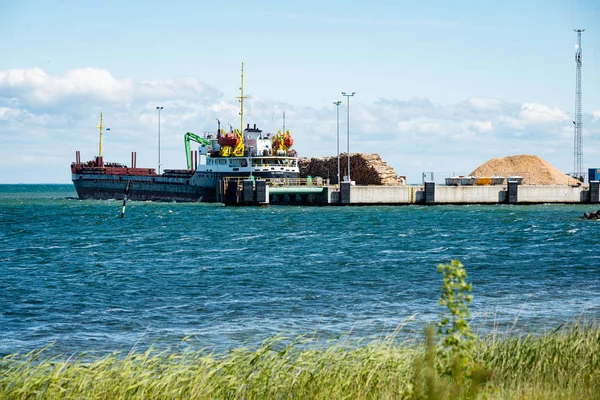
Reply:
x=44, y=119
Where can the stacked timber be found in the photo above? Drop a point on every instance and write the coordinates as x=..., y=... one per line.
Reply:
x=365, y=169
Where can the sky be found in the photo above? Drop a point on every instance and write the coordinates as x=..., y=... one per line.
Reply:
x=441, y=86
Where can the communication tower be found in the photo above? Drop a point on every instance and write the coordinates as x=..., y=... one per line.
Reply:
x=578, y=137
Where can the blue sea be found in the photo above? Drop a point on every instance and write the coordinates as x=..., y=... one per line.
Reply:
x=76, y=276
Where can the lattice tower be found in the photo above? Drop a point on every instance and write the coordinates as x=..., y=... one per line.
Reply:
x=578, y=136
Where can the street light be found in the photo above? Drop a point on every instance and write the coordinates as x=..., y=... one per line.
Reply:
x=158, y=109
x=348, y=126
x=337, y=109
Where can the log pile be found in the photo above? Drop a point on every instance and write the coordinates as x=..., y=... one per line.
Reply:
x=365, y=169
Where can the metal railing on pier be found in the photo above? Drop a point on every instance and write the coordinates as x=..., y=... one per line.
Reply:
x=279, y=182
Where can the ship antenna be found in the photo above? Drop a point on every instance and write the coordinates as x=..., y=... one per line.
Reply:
x=283, y=122
x=242, y=97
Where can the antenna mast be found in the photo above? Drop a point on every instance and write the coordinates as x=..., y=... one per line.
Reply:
x=578, y=137
x=241, y=97
x=100, y=127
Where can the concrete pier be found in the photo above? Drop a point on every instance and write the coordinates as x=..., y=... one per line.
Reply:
x=252, y=192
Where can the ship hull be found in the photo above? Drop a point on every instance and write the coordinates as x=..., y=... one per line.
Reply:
x=200, y=187
x=142, y=191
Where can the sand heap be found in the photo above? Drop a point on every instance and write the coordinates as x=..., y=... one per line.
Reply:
x=533, y=169
x=365, y=169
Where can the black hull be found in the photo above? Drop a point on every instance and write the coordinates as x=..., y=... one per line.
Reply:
x=163, y=188
x=143, y=191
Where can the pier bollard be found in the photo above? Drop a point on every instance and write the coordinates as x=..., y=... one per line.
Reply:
x=513, y=192
x=248, y=194
x=345, y=192
x=429, y=192
x=262, y=192
x=333, y=196
x=231, y=195
x=594, y=192
x=220, y=190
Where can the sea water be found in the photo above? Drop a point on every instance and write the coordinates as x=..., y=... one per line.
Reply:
x=76, y=276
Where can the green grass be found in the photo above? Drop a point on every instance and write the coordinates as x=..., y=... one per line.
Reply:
x=564, y=364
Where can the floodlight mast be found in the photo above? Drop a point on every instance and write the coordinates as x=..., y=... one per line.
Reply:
x=348, y=95
x=337, y=112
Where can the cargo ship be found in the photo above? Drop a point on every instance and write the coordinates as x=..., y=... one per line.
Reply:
x=240, y=153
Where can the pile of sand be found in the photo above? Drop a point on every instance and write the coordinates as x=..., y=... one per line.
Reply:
x=533, y=169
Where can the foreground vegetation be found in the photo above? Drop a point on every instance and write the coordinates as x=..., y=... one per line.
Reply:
x=450, y=363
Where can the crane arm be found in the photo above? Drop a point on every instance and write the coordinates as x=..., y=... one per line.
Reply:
x=189, y=136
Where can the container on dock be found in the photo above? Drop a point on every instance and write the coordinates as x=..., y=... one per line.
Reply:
x=516, y=178
x=468, y=181
x=453, y=181
x=593, y=174
x=497, y=180
x=483, y=181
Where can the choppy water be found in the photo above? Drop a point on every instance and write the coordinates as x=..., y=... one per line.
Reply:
x=74, y=274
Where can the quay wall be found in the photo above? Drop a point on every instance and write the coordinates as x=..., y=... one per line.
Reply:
x=416, y=195
x=492, y=194
x=426, y=194
x=489, y=194
x=552, y=194
x=382, y=194
x=469, y=194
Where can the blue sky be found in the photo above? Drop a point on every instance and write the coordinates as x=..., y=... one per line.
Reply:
x=441, y=86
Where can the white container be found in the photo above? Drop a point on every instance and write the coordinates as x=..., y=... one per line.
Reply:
x=497, y=180
x=453, y=181
x=468, y=181
x=517, y=179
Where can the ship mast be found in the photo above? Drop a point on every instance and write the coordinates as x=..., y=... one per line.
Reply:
x=242, y=97
x=100, y=127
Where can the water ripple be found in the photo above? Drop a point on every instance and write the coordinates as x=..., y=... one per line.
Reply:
x=76, y=275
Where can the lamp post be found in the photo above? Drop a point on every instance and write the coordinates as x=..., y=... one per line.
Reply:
x=158, y=109
x=348, y=127
x=337, y=109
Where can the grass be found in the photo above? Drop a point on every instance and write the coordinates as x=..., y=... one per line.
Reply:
x=564, y=364
x=452, y=364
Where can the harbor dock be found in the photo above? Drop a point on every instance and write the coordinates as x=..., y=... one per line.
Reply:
x=248, y=192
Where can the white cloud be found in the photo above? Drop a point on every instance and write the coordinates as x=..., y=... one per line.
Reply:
x=406, y=126
x=539, y=113
x=55, y=115
x=512, y=122
x=9, y=114
x=93, y=86
x=483, y=126
x=486, y=103
x=37, y=88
